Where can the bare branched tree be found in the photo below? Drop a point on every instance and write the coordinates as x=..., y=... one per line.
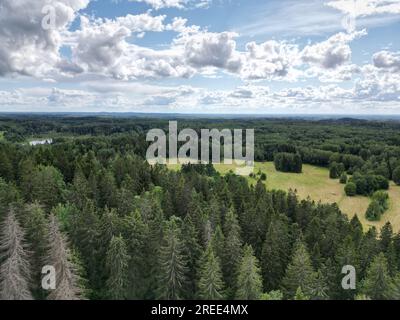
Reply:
x=15, y=267
x=60, y=257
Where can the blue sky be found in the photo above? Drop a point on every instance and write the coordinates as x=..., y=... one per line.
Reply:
x=201, y=56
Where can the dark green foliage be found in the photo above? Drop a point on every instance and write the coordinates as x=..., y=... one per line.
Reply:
x=47, y=186
x=396, y=176
x=299, y=273
x=232, y=254
x=336, y=170
x=368, y=184
x=211, y=286
x=117, y=263
x=343, y=178
x=350, y=189
x=288, y=162
x=172, y=263
x=377, y=283
x=275, y=253
x=378, y=206
x=120, y=213
x=249, y=281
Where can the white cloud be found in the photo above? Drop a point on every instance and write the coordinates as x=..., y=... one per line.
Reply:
x=362, y=8
x=26, y=47
x=270, y=60
x=331, y=53
x=206, y=49
x=159, y=4
x=387, y=60
x=180, y=4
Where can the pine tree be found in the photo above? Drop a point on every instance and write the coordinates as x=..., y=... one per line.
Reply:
x=274, y=255
x=172, y=263
x=300, y=295
x=249, y=281
x=47, y=186
x=85, y=237
x=117, y=262
x=345, y=255
x=395, y=288
x=377, y=283
x=36, y=226
x=210, y=285
x=299, y=272
x=233, y=250
x=68, y=280
x=193, y=252
x=218, y=242
x=136, y=232
x=15, y=270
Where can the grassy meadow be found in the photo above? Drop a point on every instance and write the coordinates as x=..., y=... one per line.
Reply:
x=314, y=182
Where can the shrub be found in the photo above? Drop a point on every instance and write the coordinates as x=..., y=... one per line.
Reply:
x=343, y=178
x=336, y=170
x=288, y=162
x=378, y=206
x=396, y=176
x=350, y=189
x=374, y=211
x=263, y=177
x=382, y=198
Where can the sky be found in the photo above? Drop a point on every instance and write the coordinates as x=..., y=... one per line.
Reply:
x=200, y=56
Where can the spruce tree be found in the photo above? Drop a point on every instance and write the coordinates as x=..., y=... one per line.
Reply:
x=193, y=252
x=275, y=253
x=172, y=263
x=210, y=285
x=377, y=283
x=117, y=263
x=345, y=255
x=15, y=269
x=136, y=232
x=36, y=226
x=68, y=279
x=299, y=272
x=233, y=250
x=249, y=281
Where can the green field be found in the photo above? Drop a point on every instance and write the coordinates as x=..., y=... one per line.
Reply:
x=315, y=183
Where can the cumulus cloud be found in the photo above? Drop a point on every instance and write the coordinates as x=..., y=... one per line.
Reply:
x=206, y=49
x=362, y=8
x=26, y=47
x=271, y=59
x=102, y=46
x=387, y=60
x=331, y=53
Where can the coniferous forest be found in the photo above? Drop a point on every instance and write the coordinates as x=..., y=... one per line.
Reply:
x=113, y=227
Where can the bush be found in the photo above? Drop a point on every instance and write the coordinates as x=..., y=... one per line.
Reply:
x=336, y=170
x=382, y=198
x=288, y=162
x=396, y=176
x=378, y=206
x=343, y=178
x=366, y=184
x=263, y=177
x=374, y=211
x=350, y=189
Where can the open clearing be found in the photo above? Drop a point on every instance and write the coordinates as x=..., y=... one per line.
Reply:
x=315, y=183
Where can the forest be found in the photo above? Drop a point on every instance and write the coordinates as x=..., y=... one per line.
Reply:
x=114, y=227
